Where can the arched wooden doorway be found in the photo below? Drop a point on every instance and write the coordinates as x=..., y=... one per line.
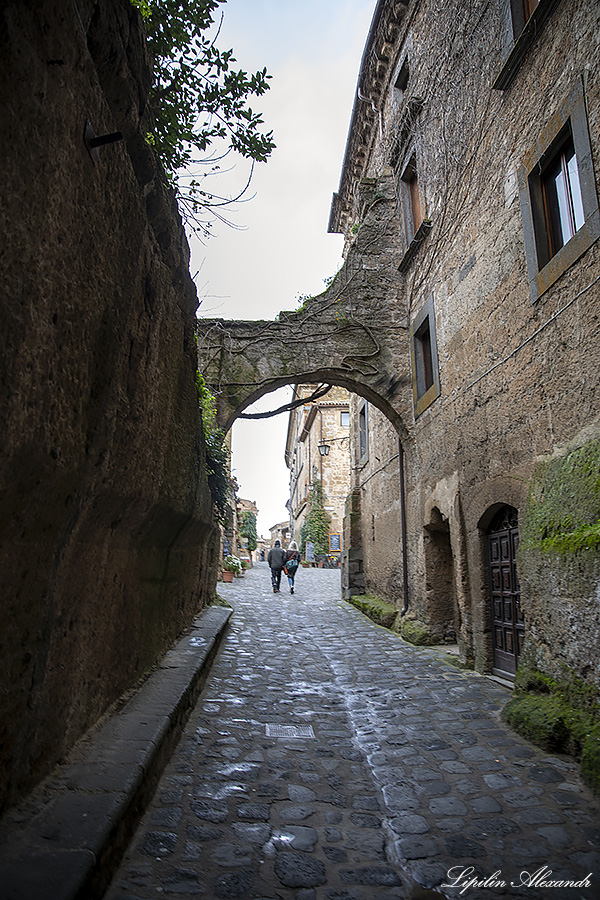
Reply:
x=508, y=624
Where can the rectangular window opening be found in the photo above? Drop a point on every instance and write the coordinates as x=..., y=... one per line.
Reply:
x=424, y=358
x=413, y=213
x=362, y=433
x=557, y=193
x=556, y=198
x=401, y=82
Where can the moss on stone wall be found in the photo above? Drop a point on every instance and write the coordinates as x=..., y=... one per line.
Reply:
x=563, y=511
x=416, y=632
x=376, y=609
x=562, y=716
x=559, y=564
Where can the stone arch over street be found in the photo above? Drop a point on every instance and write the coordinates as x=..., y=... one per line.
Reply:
x=352, y=335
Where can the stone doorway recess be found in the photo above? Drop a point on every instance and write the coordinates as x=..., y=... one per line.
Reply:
x=439, y=569
x=508, y=623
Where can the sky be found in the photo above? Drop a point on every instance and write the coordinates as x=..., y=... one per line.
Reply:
x=279, y=249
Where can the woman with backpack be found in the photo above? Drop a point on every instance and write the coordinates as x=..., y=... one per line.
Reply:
x=292, y=561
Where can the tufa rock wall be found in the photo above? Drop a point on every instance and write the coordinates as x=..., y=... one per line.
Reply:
x=559, y=562
x=107, y=537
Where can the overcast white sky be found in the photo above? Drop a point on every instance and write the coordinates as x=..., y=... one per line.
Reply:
x=312, y=48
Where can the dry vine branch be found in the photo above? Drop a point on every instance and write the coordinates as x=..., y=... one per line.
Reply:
x=288, y=407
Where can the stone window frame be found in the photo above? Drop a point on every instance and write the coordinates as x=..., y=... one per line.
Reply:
x=412, y=237
x=424, y=396
x=518, y=35
x=570, y=115
x=346, y=413
x=400, y=81
x=411, y=198
x=363, y=452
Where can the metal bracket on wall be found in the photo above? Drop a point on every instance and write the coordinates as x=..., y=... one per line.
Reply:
x=92, y=142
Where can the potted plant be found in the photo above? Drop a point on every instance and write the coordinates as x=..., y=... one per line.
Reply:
x=231, y=566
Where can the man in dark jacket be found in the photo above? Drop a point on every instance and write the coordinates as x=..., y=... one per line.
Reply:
x=276, y=559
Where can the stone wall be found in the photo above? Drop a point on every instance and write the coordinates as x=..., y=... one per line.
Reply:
x=518, y=378
x=376, y=477
x=106, y=519
x=560, y=563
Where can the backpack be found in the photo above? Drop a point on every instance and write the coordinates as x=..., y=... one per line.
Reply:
x=291, y=565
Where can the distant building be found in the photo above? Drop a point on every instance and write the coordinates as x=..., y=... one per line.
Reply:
x=246, y=506
x=318, y=449
x=280, y=532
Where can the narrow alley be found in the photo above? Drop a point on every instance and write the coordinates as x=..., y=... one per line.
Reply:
x=327, y=759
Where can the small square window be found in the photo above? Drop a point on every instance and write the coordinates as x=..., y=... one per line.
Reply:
x=345, y=419
x=557, y=190
x=424, y=360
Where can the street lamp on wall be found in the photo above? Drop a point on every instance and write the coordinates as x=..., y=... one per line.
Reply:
x=324, y=447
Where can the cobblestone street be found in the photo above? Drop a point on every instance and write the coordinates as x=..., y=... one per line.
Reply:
x=327, y=759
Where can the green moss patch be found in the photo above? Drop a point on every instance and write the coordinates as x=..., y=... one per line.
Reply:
x=563, y=510
x=219, y=601
x=561, y=717
x=457, y=662
x=586, y=537
x=416, y=632
x=376, y=609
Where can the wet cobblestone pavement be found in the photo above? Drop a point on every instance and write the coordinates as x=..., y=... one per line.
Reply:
x=410, y=773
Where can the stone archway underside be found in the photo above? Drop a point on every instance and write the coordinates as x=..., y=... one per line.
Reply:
x=353, y=335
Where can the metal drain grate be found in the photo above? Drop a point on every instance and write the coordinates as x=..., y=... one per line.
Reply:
x=290, y=731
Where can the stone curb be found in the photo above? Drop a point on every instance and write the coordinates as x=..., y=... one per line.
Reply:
x=72, y=845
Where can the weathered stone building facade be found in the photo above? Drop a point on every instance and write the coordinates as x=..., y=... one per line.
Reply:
x=487, y=122
x=280, y=532
x=322, y=423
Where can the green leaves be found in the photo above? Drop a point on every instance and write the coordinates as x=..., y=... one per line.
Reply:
x=217, y=454
x=316, y=524
x=248, y=528
x=199, y=109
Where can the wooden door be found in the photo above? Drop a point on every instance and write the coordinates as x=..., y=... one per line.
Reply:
x=508, y=624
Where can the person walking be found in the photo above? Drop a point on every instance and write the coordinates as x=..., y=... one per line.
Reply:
x=276, y=560
x=292, y=561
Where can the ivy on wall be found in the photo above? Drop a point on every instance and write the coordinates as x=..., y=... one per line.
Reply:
x=317, y=523
x=248, y=528
x=217, y=455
